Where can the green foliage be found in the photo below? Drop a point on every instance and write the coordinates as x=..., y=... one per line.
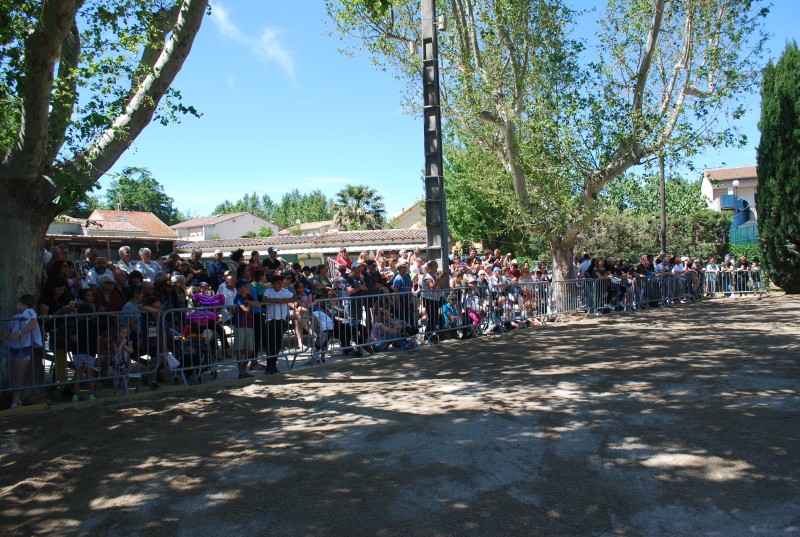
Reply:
x=563, y=120
x=135, y=189
x=265, y=231
x=84, y=206
x=629, y=235
x=778, y=194
x=310, y=207
x=480, y=201
x=116, y=44
x=358, y=207
x=642, y=195
x=752, y=252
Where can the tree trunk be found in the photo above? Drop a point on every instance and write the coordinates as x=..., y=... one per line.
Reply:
x=561, y=294
x=21, y=267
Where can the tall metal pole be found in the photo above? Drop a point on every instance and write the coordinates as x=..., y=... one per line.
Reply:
x=663, y=205
x=435, y=207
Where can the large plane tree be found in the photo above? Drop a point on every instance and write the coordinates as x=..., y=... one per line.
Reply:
x=80, y=80
x=567, y=101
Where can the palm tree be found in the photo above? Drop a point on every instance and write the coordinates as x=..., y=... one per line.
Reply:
x=358, y=207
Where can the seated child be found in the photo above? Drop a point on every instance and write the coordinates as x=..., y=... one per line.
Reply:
x=386, y=331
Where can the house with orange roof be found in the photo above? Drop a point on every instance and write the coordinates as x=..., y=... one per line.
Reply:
x=107, y=230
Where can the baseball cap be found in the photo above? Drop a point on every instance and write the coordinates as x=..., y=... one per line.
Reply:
x=272, y=250
x=218, y=251
x=355, y=265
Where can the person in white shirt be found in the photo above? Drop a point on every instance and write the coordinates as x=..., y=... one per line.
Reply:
x=100, y=268
x=712, y=276
x=277, y=301
x=147, y=266
x=125, y=262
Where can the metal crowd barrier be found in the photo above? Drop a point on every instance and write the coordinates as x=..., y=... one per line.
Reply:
x=203, y=339
x=197, y=338
x=88, y=339
x=205, y=336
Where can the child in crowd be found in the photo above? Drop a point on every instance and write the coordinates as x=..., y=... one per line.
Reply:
x=23, y=336
x=386, y=331
x=121, y=361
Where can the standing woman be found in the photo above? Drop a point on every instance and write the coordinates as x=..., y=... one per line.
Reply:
x=433, y=285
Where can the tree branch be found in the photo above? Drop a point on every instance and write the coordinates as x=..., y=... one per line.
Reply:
x=26, y=157
x=647, y=58
x=67, y=96
x=142, y=105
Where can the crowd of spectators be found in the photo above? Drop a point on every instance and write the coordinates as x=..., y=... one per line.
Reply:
x=368, y=303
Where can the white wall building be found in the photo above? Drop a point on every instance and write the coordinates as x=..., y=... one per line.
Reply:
x=720, y=182
x=222, y=226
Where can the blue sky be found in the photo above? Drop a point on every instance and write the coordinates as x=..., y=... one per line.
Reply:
x=283, y=109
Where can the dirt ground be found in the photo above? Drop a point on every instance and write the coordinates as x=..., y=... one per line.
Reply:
x=673, y=422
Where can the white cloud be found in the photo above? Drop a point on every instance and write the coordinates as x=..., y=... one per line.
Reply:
x=267, y=46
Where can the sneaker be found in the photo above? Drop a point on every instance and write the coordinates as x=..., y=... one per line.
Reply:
x=245, y=375
x=18, y=404
x=75, y=398
x=271, y=370
x=92, y=397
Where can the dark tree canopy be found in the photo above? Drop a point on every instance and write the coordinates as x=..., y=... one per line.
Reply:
x=778, y=194
x=137, y=190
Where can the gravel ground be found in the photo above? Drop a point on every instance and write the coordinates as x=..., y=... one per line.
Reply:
x=674, y=422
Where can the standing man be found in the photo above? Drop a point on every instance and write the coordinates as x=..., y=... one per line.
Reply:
x=272, y=264
x=277, y=299
x=88, y=263
x=216, y=269
x=404, y=298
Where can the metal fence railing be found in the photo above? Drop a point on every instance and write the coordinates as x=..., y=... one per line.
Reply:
x=130, y=349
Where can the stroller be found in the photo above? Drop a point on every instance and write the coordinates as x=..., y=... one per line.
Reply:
x=194, y=346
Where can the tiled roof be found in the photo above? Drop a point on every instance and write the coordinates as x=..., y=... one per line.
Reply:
x=129, y=221
x=727, y=174
x=105, y=225
x=207, y=220
x=308, y=226
x=352, y=238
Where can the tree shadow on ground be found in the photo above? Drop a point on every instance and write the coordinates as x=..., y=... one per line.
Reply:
x=681, y=421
